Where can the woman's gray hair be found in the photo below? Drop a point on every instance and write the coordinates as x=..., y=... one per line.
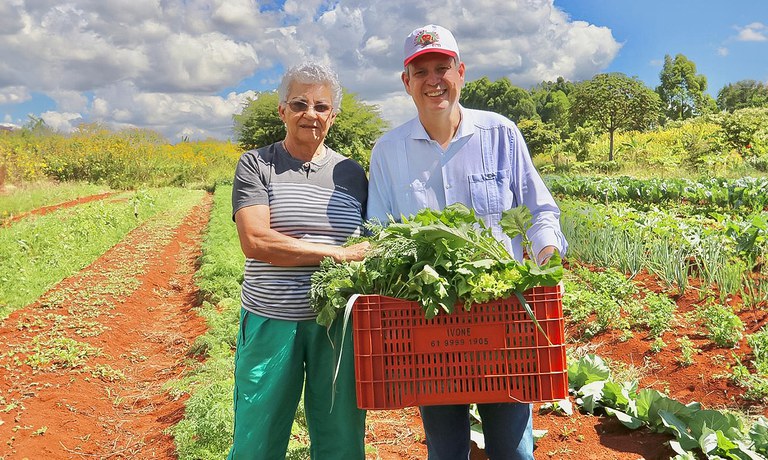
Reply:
x=312, y=73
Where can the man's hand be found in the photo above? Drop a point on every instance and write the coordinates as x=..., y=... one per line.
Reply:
x=543, y=257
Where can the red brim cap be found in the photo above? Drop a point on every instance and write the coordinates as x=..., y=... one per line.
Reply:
x=430, y=50
x=429, y=39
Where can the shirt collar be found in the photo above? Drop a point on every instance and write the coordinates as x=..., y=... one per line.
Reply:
x=465, y=127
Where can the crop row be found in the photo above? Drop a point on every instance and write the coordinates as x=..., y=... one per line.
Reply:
x=724, y=252
x=39, y=251
x=744, y=194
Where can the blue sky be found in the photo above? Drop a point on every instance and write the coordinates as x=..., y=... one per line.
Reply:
x=184, y=67
x=713, y=34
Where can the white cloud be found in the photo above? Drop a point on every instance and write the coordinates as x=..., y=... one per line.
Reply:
x=123, y=105
x=14, y=95
x=62, y=122
x=202, y=63
x=722, y=51
x=755, y=32
x=182, y=67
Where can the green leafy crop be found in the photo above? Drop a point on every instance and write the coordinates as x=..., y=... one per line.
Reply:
x=437, y=258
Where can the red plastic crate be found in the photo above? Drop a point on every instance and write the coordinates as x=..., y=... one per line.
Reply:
x=492, y=353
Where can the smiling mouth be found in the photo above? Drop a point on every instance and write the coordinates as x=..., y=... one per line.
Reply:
x=436, y=93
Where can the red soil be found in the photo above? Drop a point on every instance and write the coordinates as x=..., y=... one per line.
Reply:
x=46, y=209
x=73, y=413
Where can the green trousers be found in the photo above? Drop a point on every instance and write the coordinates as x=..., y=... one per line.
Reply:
x=274, y=361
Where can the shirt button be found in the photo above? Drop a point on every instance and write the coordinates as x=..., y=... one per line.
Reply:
x=447, y=186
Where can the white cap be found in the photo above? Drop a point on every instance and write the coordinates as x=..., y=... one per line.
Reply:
x=430, y=39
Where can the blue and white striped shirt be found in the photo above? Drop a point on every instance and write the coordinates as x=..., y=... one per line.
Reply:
x=320, y=202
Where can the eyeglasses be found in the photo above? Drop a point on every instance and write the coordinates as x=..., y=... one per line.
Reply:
x=301, y=106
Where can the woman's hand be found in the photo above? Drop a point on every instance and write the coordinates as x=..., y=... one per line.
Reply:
x=353, y=252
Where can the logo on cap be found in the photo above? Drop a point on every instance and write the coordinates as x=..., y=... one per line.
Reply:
x=425, y=38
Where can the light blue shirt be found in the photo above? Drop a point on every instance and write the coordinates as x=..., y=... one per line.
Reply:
x=486, y=166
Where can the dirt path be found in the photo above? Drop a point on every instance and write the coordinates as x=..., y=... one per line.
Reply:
x=83, y=369
x=54, y=207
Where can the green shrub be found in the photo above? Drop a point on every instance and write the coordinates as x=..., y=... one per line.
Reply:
x=723, y=326
x=661, y=313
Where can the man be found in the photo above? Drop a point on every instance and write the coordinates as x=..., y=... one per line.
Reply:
x=450, y=154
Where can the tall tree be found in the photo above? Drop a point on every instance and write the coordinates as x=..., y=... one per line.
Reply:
x=743, y=94
x=474, y=94
x=682, y=90
x=356, y=128
x=613, y=101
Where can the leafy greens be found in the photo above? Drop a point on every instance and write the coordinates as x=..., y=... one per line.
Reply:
x=437, y=258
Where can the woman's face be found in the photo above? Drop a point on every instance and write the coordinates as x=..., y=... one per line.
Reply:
x=308, y=123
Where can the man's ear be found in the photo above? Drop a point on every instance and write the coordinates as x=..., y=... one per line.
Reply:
x=281, y=111
x=406, y=81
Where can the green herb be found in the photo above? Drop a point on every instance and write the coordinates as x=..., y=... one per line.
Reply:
x=437, y=258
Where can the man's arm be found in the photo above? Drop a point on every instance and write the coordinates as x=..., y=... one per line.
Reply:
x=545, y=233
x=259, y=241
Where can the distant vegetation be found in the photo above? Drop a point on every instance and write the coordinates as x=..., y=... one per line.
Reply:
x=611, y=123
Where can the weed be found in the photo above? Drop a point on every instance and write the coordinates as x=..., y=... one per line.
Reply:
x=759, y=344
x=657, y=345
x=723, y=326
x=687, y=351
x=107, y=373
x=59, y=352
x=661, y=313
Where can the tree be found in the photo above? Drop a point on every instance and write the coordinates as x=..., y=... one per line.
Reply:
x=501, y=97
x=539, y=137
x=474, y=94
x=614, y=101
x=353, y=134
x=356, y=129
x=743, y=94
x=552, y=103
x=259, y=124
x=556, y=109
x=682, y=91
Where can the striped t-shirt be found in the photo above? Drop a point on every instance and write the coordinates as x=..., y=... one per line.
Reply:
x=320, y=201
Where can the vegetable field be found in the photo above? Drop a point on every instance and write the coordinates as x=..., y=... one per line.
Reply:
x=119, y=314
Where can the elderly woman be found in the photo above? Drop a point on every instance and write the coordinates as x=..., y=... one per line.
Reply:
x=295, y=202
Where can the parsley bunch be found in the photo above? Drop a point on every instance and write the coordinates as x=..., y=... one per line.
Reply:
x=437, y=258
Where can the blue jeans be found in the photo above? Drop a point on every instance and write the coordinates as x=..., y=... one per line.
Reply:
x=507, y=428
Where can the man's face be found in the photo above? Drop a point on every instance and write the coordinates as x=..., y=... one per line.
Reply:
x=434, y=81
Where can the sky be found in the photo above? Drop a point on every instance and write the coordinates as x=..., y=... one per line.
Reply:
x=185, y=67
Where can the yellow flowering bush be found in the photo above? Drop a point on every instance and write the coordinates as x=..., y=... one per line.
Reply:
x=125, y=160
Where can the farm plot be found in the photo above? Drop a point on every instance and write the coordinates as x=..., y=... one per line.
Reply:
x=104, y=363
x=84, y=367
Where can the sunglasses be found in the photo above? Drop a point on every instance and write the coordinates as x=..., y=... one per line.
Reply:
x=301, y=106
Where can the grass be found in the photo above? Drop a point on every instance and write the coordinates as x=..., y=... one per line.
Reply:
x=83, y=308
x=40, y=251
x=34, y=195
x=206, y=430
